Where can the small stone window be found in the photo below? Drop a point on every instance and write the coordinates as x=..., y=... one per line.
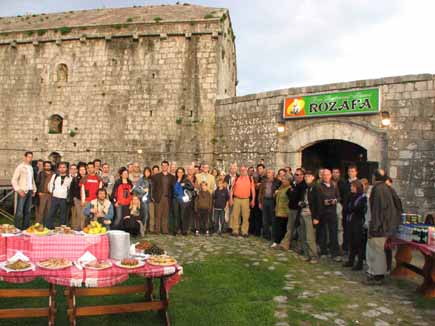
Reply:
x=62, y=73
x=55, y=124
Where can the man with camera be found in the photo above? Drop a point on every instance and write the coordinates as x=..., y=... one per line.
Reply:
x=327, y=198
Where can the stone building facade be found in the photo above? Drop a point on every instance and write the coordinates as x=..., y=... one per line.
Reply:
x=147, y=83
x=128, y=84
x=246, y=131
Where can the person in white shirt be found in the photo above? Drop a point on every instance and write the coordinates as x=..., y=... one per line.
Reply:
x=23, y=183
x=59, y=186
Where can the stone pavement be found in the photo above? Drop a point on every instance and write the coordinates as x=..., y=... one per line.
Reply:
x=322, y=294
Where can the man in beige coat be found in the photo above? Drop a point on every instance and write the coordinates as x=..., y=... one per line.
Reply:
x=205, y=176
x=24, y=185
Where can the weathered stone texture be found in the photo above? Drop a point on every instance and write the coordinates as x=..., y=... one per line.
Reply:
x=124, y=91
x=247, y=131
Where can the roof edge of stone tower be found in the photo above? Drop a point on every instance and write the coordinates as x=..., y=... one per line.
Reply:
x=114, y=17
x=328, y=87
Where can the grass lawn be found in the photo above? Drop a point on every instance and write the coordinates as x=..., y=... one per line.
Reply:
x=215, y=292
x=231, y=281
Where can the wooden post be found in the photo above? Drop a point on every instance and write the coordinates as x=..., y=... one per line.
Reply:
x=403, y=256
x=149, y=289
x=164, y=299
x=428, y=286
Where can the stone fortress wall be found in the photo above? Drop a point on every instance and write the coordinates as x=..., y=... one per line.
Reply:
x=123, y=80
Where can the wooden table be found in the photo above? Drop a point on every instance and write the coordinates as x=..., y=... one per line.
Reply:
x=149, y=303
x=404, y=268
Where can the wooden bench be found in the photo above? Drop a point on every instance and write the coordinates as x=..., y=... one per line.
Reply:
x=148, y=304
x=49, y=312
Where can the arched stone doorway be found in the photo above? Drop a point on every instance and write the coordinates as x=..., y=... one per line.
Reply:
x=332, y=153
x=293, y=142
x=338, y=154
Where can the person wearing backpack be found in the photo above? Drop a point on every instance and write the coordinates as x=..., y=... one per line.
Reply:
x=241, y=192
x=59, y=187
x=122, y=194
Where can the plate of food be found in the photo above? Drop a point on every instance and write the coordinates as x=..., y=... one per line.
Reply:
x=129, y=263
x=8, y=230
x=94, y=228
x=64, y=230
x=153, y=250
x=17, y=266
x=98, y=265
x=162, y=260
x=37, y=229
x=55, y=263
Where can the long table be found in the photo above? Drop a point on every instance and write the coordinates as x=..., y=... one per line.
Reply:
x=404, y=268
x=80, y=281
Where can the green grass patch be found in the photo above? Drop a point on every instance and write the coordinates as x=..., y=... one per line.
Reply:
x=220, y=291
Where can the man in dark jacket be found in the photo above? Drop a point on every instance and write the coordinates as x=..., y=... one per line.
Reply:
x=163, y=184
x=384, y=220
x=295, y=195
x=327, y=198
x=266, y=201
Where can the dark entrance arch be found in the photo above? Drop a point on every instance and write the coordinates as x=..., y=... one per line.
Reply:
x=334, y=153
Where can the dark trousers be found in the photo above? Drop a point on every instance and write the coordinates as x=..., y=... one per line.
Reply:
x=279, y=228
x=255, y=221
x=356, y=242
x=162, y=215
x=346, y=232
x=203, y=222
x=268, y=216
x=328, y=229
x=121, y=211
x=22, y=212
x=182, y=214
x=57, y=204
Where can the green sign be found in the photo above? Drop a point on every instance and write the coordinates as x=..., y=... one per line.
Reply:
x=364, y=101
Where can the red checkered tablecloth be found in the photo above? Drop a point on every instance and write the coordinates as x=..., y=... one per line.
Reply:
x=38, y=248
x=3, y=246
x=115, y=275
x=71, y=247
x=424, y=248
x=71, y=276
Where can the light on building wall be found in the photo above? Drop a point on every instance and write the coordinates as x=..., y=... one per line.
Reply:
x=385, y=118
x=280, y=127
x=139, y=151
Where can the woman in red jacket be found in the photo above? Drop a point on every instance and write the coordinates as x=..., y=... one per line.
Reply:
x=121, y=196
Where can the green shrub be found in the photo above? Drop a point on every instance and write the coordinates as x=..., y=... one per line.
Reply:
x=41, y=32
x=64, y=30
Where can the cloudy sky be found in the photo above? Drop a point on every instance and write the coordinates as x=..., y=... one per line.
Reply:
x=286, y=43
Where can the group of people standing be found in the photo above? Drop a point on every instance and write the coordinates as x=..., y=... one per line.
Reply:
x=318, y=215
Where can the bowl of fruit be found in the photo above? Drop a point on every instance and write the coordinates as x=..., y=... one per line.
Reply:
x=37, y=229
x=94, y=228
